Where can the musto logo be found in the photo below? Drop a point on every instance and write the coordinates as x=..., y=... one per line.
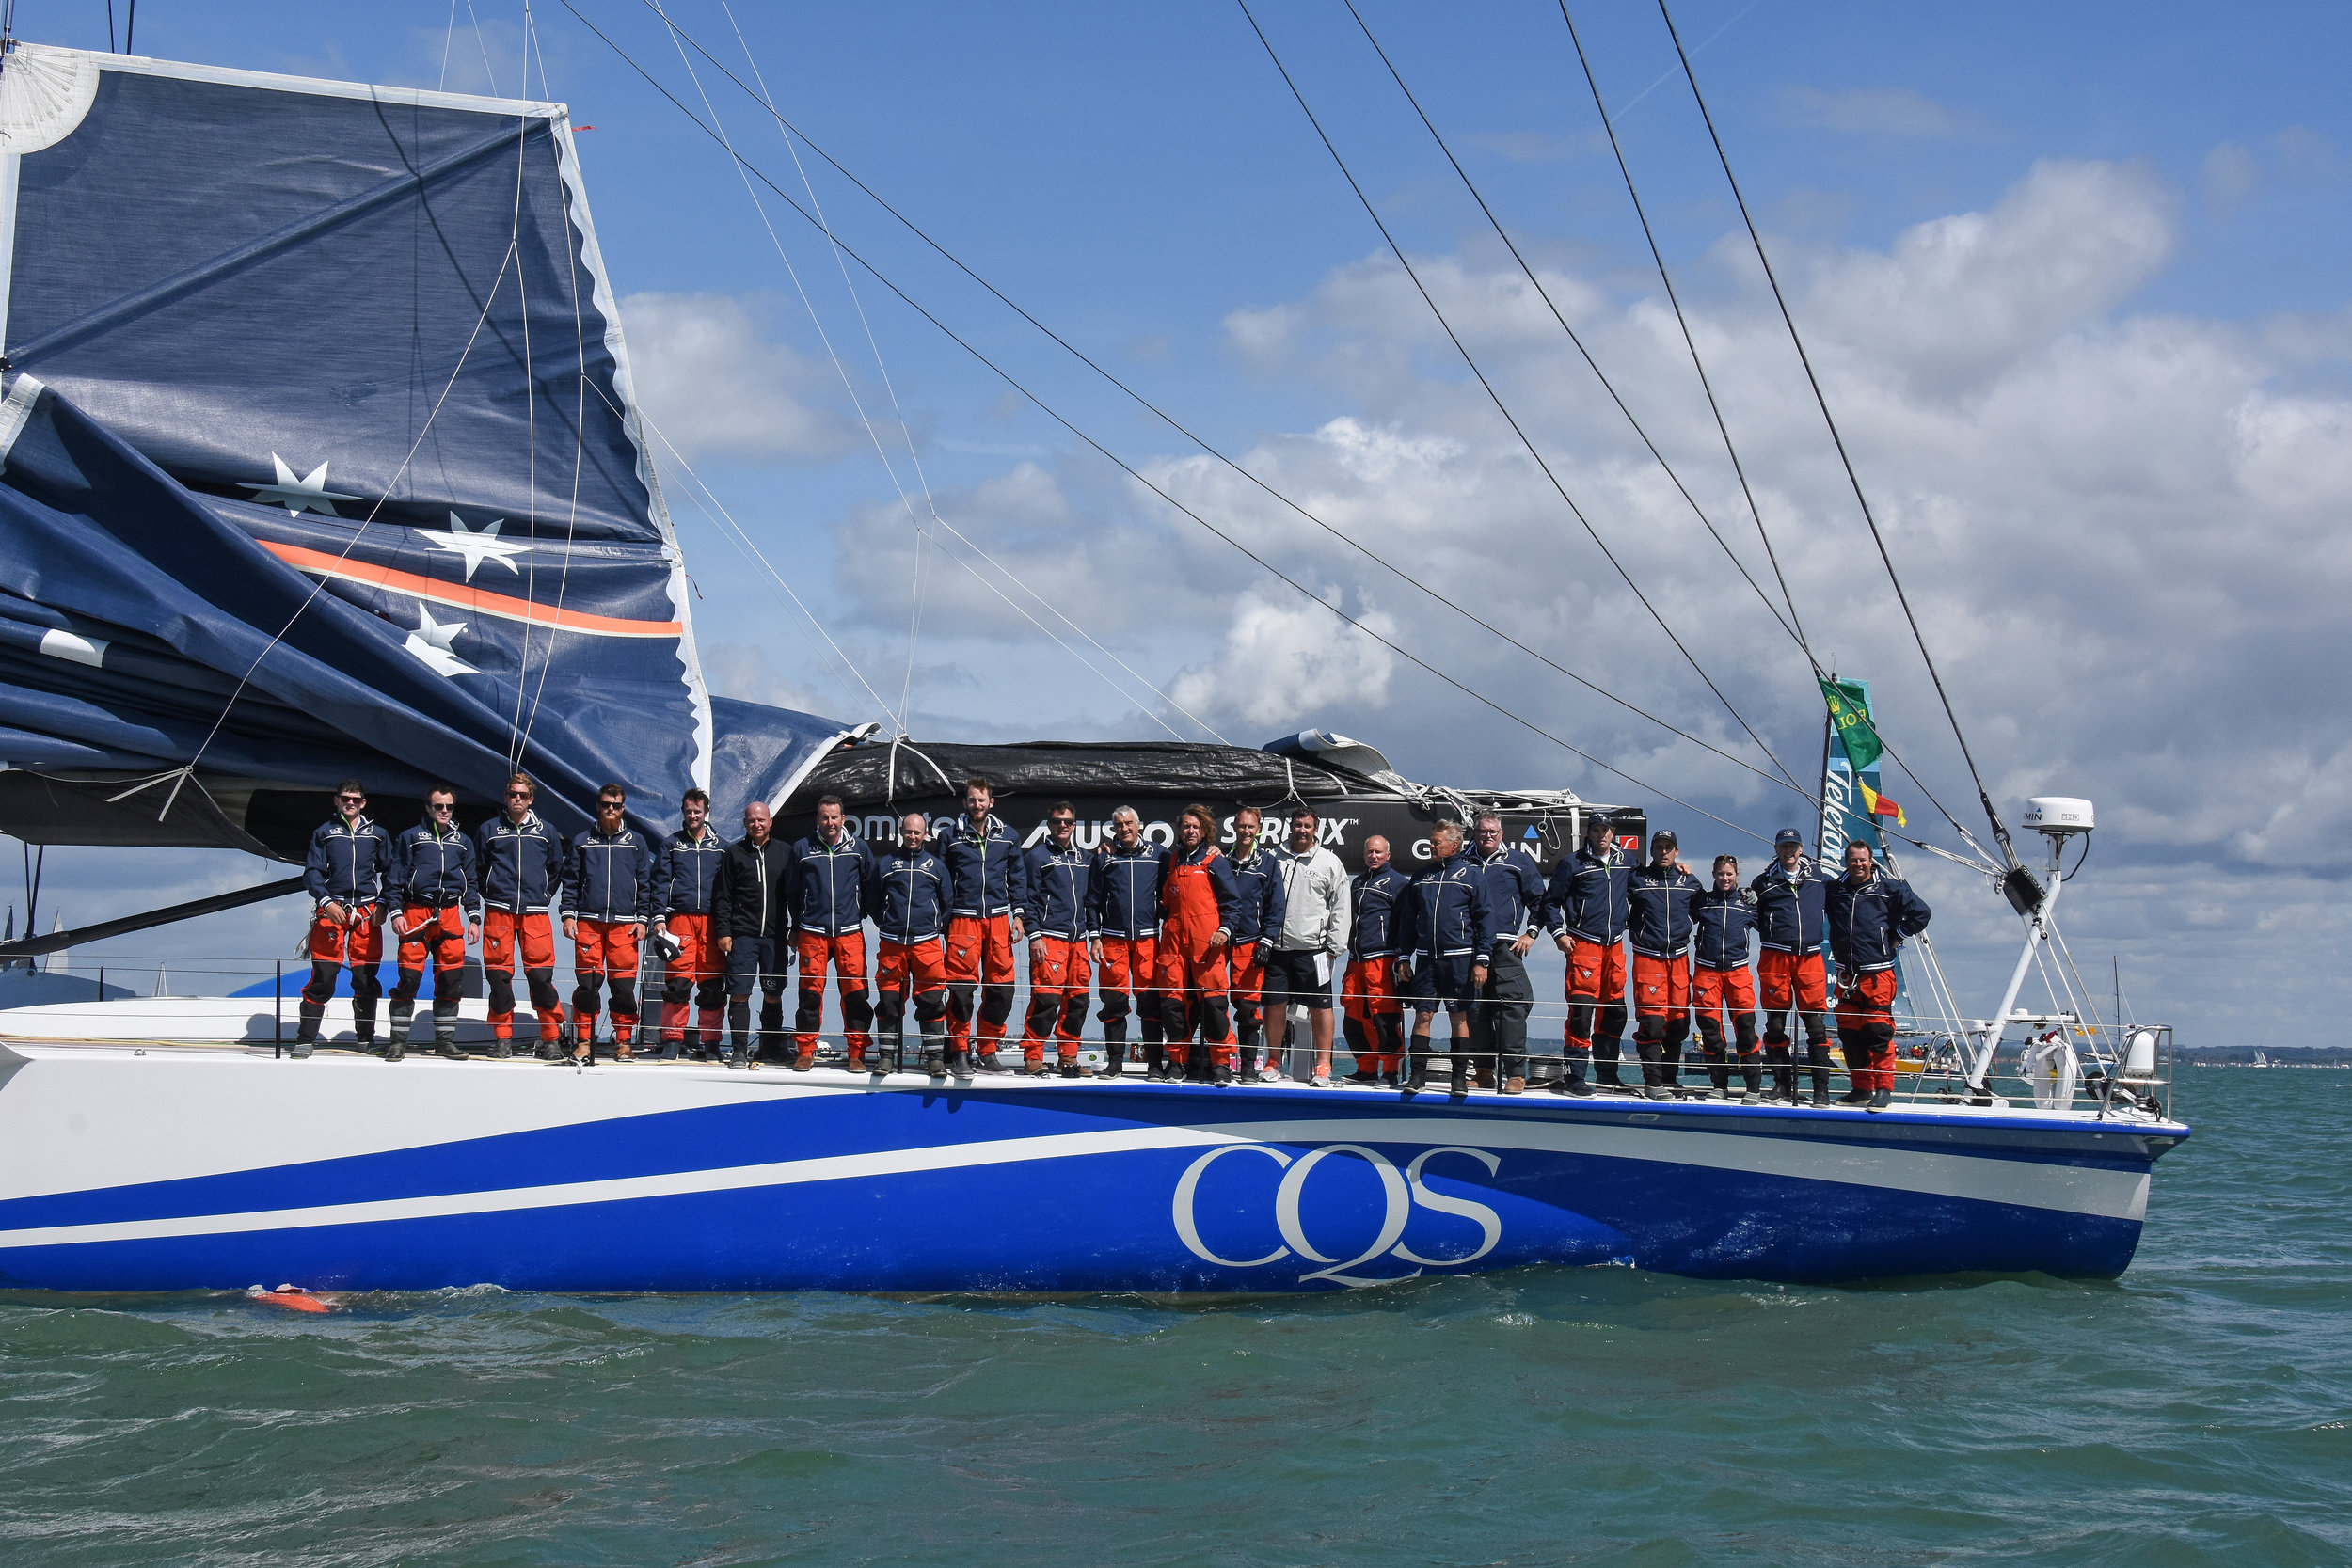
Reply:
x=1401, y=1192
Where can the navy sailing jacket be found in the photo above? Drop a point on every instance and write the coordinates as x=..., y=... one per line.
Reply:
x=1260, y=906
x=1444, y=913
x=747, y=900
x=1660, y=921
x=1789, y=906
x=1589, y=896
x=1377, y=896
x=1867, y=924
x=984, y=872
x=1720, y=924
x=911, y=902
x=688, y=874
x=1125, y=885
x=828, y=887
x=1515, y=892
x=609, y=877
x=1060, y=884
x=522, y=863
x=432, y=869
x=348, y=866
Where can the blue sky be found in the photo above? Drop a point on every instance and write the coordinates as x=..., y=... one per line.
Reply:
x=2073, y=273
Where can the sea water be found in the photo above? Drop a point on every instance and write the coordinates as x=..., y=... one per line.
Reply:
x=2193, y=1412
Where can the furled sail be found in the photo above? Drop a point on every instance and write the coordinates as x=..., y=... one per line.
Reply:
x=321, y=458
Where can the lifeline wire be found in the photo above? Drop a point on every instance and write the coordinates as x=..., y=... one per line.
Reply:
x=1133, y=473
x=1500, y=406
x=1139, y=398
x=1999, y=831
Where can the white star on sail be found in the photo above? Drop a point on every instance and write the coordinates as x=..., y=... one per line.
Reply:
x=431, y=642
x=306, y=494
x=478, y=546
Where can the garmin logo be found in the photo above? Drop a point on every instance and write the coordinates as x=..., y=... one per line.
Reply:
x=1402, y=1192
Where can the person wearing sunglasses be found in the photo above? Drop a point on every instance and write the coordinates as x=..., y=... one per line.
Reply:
x=1059, y=919
x=521, y=861
x=608, y=898
x=345, y=872
x=440, y=911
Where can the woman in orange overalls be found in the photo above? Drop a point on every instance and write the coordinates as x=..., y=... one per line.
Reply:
x=1197, y=896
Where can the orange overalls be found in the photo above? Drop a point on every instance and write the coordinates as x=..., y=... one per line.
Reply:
x=1196, y=899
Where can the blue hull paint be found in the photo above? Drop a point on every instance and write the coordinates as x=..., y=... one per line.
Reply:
x=1166, y=1188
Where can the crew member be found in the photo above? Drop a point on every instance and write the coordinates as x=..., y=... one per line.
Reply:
x=1198, y=898
x=1870, y=913
x=1515, y=897
x=909, y=915
x=1585, y=910
x=1314, y=931
x=829, y=885
x=1721, y=919
x=439, y=907
x=523, y=871
x=607, y=897
x=1059, y=919
x=1447, y=936
x=346, y=873
x=1658, y=929
x=984, y=878
x=1257, y=925
x=694, y=968
x=1789, y=905
x=1123, y=883
x=1375, y=1021
x=748, y=914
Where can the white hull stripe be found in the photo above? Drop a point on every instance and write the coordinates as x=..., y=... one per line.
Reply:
x=2070, y=1189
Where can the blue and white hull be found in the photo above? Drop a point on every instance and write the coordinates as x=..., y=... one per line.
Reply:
x=123, y=1169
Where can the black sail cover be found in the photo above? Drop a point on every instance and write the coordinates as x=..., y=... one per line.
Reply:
x=318, y=456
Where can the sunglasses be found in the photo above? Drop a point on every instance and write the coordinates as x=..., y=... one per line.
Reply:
x=518, y=794
x=609, y=805
x=353, y=799
x=1063, y=821
x=438, y=807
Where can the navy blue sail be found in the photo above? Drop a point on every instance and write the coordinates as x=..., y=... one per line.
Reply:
x=321, y=458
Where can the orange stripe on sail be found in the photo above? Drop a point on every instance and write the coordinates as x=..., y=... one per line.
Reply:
x=464, y=596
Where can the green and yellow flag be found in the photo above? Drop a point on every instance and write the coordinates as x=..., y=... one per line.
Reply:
x=1849, y=711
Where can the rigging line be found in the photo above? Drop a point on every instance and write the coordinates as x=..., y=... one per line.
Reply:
x=483, y=44
x=742, y=167
x=579, y=429
x=736, y=533
x=1984, y=797
x=447, y=39
x=914, y=629
x=1607, y=386
x=1501, y=407
x=1157, y=412
x=1112, y=457
x=320, y=586
x=1795, y=625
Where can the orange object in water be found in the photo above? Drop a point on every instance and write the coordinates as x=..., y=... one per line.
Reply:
x=294, y=1298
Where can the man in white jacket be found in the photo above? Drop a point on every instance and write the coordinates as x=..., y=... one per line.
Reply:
x=1315, y=925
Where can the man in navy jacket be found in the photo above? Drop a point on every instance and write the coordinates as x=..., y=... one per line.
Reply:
x=345, y=872
x=1123, y=881
x=1447, y=934
x=1515, y=896
x=829, y=886
x=1659, y=931
x=1376, y=1019
x=1789, y=901
x=437, y=910
x=521, y=868
x=1722, y=920
x=607, y=891
x=910, y=915
x=1059, y=919
x=1586, y=910
x=1870, y=913
x=687, y=880
x=987, y=888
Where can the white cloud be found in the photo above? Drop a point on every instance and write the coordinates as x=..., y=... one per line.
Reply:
x=1284, y=661
x=712, y=381
x=1871, y=112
